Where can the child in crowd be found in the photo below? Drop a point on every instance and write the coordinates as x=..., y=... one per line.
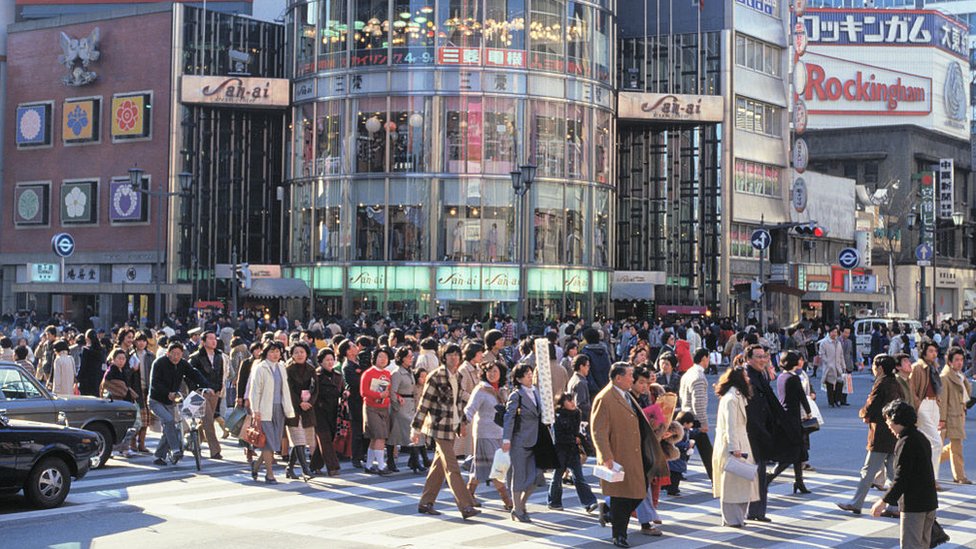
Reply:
x=678, y=467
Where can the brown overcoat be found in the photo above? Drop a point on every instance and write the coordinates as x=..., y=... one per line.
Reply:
x=616, y=434
x=952, y=405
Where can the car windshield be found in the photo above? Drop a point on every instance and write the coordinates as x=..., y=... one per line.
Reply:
x=15, y=385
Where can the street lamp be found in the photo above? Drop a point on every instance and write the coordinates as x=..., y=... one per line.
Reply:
x=522, y=181
x=958, y=219
x=186, y=184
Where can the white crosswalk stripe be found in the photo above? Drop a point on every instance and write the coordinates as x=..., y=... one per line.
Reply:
x=363, y=510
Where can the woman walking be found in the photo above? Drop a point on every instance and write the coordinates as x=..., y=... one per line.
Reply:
x=732, y=442
x=520, y=434
x=304, y=392
x=403, y=406
x=487, y=437
x=794, y=400
x=270, y=403
x=330, y=386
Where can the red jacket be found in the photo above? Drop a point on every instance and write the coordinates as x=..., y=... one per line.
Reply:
x=682, y=350
x=370, y=397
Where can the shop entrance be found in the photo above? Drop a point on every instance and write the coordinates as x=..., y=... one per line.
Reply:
x=460, y=310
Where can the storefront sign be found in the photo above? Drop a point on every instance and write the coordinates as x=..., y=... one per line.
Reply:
x=670, y=107
x=304, y=90
x=801, y=155
x=489, y=279
x=946, y=180
x=265, y=271
x=82, y=274
x=800, y=118
x=378, y=278
x=131, y=274
x=817, y=286
x=235, y=91
x=839, y=86
x=926, y=205
x=798, y=195
x=887, y=27
x=44, y=272
x=764, y=6
x=947, y=279
x=862, y=284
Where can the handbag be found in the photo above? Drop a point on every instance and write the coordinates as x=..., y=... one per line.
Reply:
x=740, y=468
x=939, y=535
x=342, y=441
x=810, y=425
x=544, y=450
x=499, y=418
x=254, y=435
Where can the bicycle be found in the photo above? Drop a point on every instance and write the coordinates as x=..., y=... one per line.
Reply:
x=189, y=411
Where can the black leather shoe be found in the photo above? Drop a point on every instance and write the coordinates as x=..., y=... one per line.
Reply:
x=761, y=519
x=357, y=463
x=620, y=541
x=428, y=509
x=469, y=512
x=849, y=507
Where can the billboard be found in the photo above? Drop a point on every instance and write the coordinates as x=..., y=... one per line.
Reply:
x=886, y=67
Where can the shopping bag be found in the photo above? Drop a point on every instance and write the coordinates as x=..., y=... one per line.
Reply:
x=848, y=384
x=499, y=465
x=235, y=420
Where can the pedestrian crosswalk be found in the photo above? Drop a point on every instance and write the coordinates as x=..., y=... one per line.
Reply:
x=359, y=510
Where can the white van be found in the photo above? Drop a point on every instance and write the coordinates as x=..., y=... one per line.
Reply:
x=863, y=328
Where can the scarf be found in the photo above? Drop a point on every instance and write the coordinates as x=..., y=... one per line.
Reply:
x=935, y=380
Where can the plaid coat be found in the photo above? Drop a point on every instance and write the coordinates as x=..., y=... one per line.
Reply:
x=434, y=417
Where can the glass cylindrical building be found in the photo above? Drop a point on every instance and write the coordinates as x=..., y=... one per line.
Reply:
x=409, y=117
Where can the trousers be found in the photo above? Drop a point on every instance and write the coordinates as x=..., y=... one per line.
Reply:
x=445, y=465
x=873, y=463
x=620, y=510
x=953, y=450
x=704, y=446
x=915, y=530
x=171, y=437
x=928, y=424
x=757, y=508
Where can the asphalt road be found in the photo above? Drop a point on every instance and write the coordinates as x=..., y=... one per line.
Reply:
x=132, y=503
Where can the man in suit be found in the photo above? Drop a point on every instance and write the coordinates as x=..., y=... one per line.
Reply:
x=914, y=482
x=617, y=422
x=210, y=363
x=763, y=412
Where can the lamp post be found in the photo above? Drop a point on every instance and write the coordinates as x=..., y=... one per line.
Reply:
x=186, y=183
x=521, y=182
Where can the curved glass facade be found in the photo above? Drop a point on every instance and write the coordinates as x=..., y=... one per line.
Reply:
x=408, y=118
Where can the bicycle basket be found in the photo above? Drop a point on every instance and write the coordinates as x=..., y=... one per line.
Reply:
x=194, y=405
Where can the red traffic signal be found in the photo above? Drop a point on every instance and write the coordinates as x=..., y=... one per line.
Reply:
x=809, y=230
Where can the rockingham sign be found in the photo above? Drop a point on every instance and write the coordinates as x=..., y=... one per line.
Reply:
x=886, y=67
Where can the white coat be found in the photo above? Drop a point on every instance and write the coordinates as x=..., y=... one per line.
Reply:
x=260, y=390
x=730, y=436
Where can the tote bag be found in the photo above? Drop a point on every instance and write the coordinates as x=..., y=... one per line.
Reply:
x=741, y=468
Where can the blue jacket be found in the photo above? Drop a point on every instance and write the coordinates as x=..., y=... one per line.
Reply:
x=599, y=366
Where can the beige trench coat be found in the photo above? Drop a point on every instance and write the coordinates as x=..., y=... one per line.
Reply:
x=952, y=405
x=730, y=436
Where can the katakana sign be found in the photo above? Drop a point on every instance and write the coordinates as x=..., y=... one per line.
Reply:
x=885, y=27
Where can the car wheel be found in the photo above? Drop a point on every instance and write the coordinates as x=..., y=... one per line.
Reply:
x=48, y=483
x=103, y=446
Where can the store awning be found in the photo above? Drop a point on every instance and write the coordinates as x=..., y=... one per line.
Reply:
x=846, y=297
x=632, y=291
x=271, y=288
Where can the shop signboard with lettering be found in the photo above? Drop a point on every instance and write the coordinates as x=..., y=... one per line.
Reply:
x=670, y=107
x=235, y=91
x=44, y=272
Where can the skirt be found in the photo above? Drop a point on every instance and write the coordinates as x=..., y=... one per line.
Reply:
x=301, y=435
x=376, y=422
x=400, y=424
x=484, y=455
x=274, y=430
x=523, y=471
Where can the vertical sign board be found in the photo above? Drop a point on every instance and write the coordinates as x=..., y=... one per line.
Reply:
x=926, y=187
x=946, y=181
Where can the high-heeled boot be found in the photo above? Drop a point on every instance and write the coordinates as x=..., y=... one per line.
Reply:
x=307, y=473
x=391, y=459
x=424, y=457
x=290, y=471
x=414, y=462
x=503, y=492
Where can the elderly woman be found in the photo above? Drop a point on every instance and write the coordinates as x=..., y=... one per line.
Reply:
x=303, y=387
x=403, y=406
x=480, y=411
x=330, y=386
x=519, y=435
x=271, y=403
x=732, y=442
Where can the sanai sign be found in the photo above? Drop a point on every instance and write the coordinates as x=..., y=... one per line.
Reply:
x=235, y=91
x=670, y=107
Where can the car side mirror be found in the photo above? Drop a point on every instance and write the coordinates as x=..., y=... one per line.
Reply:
x=4, y=421
x=63, y=419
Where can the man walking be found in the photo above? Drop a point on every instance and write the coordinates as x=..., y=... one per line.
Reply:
x=443, y=402
x=763, y=413
x=693, y=395
x=210, y=362
x=926, y=387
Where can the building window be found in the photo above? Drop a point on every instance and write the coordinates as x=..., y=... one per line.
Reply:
x=371, y=138
x=305, y=19
x=333, y=35
x=372, y=31
x=757, y=55
x=546, y=35
x=871, y=173
x=413, y=32
x=330, y=233
x=409, y=133
x=756, y=178
x=408, y=220
x=370, y=199
x=548, y=138
x=758, y=117
x=741, y=241
x=548, y=223
x=328, y=128
x=502, y=129
x=578, y=38
x=463, y=130
x=505, y=24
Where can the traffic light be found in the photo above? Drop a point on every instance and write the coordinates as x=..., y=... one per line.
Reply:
x=242, y=275
x=809, y=230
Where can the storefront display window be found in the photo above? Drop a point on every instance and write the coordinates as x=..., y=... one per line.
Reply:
x=409, y=220
x=371, y=134
x=498, y=222
x=461, y=220
x=333, y=34
x=548, y=223
x=576, y=252
x=413, y=32
x=328, y=129
x=305, y=45
x=502, y=131
x=304, y=132
x=601, y=46
x=548, y=138
x=460, y=24
x=371, y=215
x=546, y=36
x=409, y=129
x=330, y=237
x=463, y=130
x=371, y=30
x=577, y=142
x=505, y=24
x=301, y=223
x=601, y=227
x=579, y=39
x=601, y=161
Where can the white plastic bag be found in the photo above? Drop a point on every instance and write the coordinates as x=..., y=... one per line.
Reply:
x=499, y=465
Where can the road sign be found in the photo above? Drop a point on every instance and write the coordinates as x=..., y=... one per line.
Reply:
x=849, y=258
x=761, y=239
x=923, y=254
x=63, y=244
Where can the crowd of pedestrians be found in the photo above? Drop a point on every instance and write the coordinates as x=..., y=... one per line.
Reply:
x=473, y=399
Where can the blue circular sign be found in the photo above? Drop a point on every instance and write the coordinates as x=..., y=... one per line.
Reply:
x=849, y=258
x=63, y=244
x=761, y=239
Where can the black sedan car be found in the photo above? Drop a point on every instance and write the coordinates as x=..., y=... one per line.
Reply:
x=41, y=459
x=26, y=398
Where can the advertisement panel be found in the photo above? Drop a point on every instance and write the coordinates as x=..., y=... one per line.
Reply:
x=886, y=67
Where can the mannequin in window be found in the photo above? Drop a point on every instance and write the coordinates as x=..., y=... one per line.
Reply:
x=457, y=241
x=493, y=243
